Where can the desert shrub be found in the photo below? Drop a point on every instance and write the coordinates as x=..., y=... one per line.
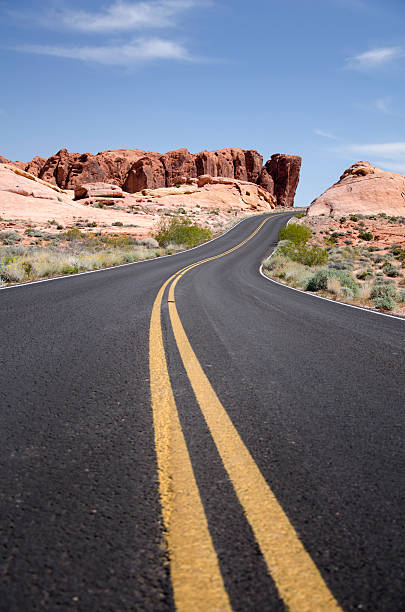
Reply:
x=364, y=275
x=399, y=254
x=70, y=269
x=347, y=292
x=115, y=240
x=150, y=243
x=72, y=234
x=319, y=280
x=366, y=236
x=10, y=237
x=384, y=295
x=11, y=271
x=377, y=258
x=298, y=234
x=340, y=264
x=331, y=240
x=390, y=270
x=181, y=231
x=303, y=254
x=274, y=261
x=300, y=215
x=281, y=267
x=353, y=218
x=118, y=224
x=401, y=295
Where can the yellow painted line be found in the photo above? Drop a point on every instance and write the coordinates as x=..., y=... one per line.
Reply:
x=195, y=574
x=298, y=580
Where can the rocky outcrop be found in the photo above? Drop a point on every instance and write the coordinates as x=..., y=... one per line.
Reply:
x=135, y=170
x=98, y=190
x=363, y=188
x=146, y=173
x=36, y=165
x=280, y=176
x=17, y=181
x=224, y=195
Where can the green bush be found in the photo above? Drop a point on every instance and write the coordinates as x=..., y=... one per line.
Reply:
x=390, y=270
x=300, y=215
x=353, y=218
x=70, y=269
x=181, y=231
x=298, y=234
x=303, y=254
x=384, y=295
x=72, y=234
x=364, y=275
x=319, y=281
x=366, y=235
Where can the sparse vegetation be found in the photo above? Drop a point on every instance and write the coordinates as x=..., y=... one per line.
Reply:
x=363, y=274
x=181, y=231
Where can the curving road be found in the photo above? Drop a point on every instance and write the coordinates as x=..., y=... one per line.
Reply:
x=225, y=444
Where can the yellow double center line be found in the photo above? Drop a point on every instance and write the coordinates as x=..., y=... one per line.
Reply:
x=196, y=578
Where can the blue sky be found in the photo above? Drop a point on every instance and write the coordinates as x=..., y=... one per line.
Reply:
x=324, y=79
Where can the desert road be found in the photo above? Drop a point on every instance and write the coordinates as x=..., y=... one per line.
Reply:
x=198, y=437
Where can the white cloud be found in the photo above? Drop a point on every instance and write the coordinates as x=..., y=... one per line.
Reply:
x=387, y=155
x=389, y=150
x=383, y=104
x=121, y=16
x=325, y=134
x=131, y=53
x=393, y=166
x=375, y=58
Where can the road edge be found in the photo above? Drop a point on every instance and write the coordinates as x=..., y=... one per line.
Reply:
x=321, y=297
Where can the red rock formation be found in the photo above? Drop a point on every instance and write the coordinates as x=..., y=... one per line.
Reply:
x=4, y=160
x=365, y=189
x=176, y=164
x=35, y=166
x=146, y=173
x=135, y=170
x=281, y=173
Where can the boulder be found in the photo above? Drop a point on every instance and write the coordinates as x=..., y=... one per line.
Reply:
x=97, y=190
x=365, y=189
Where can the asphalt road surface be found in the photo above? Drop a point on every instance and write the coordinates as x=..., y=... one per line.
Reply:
x=225, y=444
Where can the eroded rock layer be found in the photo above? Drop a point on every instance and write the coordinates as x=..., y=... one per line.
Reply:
x=135, y=170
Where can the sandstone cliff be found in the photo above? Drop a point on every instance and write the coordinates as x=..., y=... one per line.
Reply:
x=363, y=188
x=27, y=202
x=135, y=170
